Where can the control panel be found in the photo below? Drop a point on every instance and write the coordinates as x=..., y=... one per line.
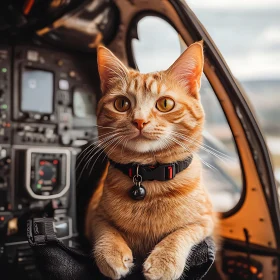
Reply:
x=47, y=107
x=47, y=111
x=5, y=173
x=53, y=99
x=5, y=94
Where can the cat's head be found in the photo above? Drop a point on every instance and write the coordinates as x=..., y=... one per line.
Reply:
x=151, y=114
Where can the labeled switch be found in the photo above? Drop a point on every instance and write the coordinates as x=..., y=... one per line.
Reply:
x=63, y=84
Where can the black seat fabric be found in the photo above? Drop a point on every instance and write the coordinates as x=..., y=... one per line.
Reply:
x=59, y=262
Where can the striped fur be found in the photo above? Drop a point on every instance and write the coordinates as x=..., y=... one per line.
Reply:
x=176, y=214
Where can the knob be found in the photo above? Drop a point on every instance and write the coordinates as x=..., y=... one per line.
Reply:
x=65, y=139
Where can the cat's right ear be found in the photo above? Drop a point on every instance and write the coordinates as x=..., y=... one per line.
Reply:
x=110, y=69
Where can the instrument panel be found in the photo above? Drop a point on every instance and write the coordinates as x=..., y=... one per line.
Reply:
x=47, y=111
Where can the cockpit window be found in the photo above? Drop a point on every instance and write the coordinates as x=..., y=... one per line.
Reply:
x=157, y=46
x=252, y=55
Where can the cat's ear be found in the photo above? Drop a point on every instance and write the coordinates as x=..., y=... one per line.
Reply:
x=110, y=69
x=188, y=68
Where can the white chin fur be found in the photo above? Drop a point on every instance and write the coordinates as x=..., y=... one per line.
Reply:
x=145, y=146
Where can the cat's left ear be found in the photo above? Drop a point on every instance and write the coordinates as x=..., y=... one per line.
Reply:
x=188, y=68
x=110, y=68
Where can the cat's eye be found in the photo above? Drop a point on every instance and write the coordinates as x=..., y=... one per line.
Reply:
x=165, y=104
x=122, y=104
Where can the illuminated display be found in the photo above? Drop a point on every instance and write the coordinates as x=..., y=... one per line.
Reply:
x=37, y=91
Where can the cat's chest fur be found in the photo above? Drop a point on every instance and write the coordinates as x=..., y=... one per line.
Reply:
x=166, y=207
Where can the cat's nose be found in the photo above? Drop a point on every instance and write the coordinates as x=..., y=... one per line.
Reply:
x=139, y=123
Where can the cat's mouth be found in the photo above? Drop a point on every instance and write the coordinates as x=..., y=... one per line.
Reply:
x=144, y=136
x=140, y=136
x=145, y=142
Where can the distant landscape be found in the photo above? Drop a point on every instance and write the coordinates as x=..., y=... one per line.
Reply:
x=249, y=39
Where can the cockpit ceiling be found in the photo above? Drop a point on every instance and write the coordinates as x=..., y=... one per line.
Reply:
x=97, y=21
x=73, y=24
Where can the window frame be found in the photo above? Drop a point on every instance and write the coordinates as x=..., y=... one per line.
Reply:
x=132, y=34
x=252, y=131
x=257, y=164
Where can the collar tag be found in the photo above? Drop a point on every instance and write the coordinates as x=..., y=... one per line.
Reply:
x=137, y=192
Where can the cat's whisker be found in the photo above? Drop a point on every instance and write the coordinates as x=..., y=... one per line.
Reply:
x=115, y=145
x=82, y=171
x=98, y=137
x=107, y=154
x=221, y=157
x=97, y=149
x=123, y=145
x=209, y=147
x=99, y=143
x=85, y=156
x=162, y=145
x=86, y=149
x=103, y=146
x=166, y=145
x=206, y=163
x=97, y=140
x=188, y=150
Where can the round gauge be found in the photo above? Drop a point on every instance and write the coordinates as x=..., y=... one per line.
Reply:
x=47, y=173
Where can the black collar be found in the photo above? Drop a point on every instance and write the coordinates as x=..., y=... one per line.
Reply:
x=159, y=172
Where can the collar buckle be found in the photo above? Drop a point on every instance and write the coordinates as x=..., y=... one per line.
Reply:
x=170, y=171
x=162, y=172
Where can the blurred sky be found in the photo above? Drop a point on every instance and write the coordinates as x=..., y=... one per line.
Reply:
x=248, y=38
x=247, y=32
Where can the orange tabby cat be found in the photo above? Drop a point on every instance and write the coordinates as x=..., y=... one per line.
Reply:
x=148, y=119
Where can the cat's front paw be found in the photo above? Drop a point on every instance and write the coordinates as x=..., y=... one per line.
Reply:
x=113, y=260
x=164, y=265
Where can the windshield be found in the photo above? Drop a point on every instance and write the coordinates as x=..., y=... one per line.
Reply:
x=157, y=45
x=248, y=35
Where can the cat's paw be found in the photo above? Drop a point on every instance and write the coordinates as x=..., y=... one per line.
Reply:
x=164, y=265
x=113, y=260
